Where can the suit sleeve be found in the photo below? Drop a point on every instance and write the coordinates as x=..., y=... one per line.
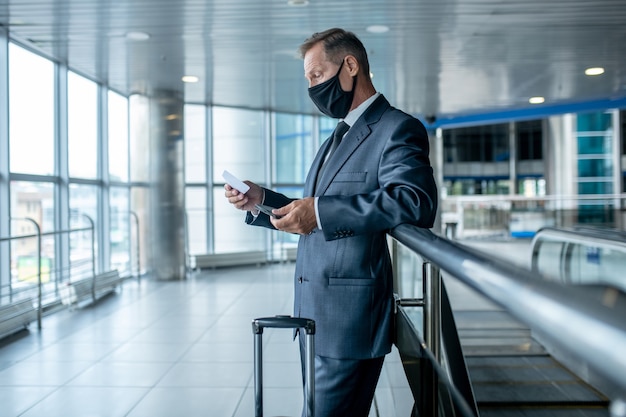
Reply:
x=272, y=199
x=406, y=190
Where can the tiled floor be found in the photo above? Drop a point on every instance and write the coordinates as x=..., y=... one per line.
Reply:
x=169, y=349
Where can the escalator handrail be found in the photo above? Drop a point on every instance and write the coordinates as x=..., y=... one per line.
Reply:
x=585, y=327
x=608, y=238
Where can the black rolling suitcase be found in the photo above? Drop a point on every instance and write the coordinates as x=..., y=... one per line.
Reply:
x=284, y=322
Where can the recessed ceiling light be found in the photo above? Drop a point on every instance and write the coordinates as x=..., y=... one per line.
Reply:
x=536, y=100
x=190, y=79
x=377, y=29
x=297, y=3
x=594, y=71
x=137, y=36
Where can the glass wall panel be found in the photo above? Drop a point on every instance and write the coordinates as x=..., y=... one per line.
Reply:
x=140, y=229
x=595, y=144
x=195, y=202
x=595, y=167
x=120, y=230
x=83, y=208
x=31, y=115
x=530, y=138
x=238, y=144
x=118, y=137
x=295, y=148
x=232, y=234
x=32, y=200
x=82, y=126
x=139, y=131
x=195, y=144
x=326, y=128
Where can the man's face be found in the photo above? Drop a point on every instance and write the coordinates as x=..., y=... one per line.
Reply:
x=318, y=69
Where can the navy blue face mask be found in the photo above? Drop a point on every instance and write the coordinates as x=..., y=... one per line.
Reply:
x=330, y=99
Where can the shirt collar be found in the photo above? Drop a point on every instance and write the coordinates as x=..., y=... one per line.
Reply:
x=354, y=115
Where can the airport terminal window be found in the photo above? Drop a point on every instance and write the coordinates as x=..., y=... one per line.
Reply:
x=118, y=137
x=326, y=128
x=231, y=233
x=476, y=144
x=83, y=201
x=34, y=200
x=195, y=143
x=139, y=138
x=530, y=140
x=32, y=115
x=294, y=147
x=119, y=202
x=139, y=204
x=238, y=144
x=197, y=215
x=82, y=126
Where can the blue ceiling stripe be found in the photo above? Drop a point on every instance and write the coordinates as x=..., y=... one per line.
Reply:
x=529, y=113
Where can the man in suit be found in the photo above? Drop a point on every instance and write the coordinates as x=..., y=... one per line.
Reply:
x=379, y=176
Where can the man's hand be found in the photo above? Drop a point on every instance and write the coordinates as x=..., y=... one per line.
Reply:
x=244, y=201
x=297, y=216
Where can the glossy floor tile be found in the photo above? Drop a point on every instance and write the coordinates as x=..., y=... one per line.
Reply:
x=169, y=349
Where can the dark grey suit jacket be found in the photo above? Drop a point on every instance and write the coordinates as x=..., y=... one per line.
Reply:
x=379, y=177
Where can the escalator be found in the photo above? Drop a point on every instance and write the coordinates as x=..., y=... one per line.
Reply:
x=512, y=375
x=497, y=367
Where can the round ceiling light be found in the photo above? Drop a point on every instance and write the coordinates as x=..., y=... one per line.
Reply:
x=377, y=29
x=137, y=36
x=594, y=71
x=536, y=100
x=190, y=79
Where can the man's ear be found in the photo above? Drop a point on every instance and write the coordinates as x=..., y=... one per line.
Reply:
x=352, y=64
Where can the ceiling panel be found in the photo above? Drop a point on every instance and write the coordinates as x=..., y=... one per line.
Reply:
x=440, y=57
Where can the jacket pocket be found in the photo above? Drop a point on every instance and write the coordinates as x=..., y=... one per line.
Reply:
x=351, y=281
x=350, y=177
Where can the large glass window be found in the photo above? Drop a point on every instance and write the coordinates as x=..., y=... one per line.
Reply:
x=139, y=131
x=295, y=148
x=140, y=229
x=82, y=126
x=118, y=137
x=35, y=201
x=476, y=144
x=31, y=112
x=530, y=138
x=239, y=147
x=196, y=209
x=232, y=234
x=238, y=144
x=195, y=144
x=83, y=211
x=120, y=229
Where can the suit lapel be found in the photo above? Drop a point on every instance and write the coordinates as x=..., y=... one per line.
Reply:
x=357, y=134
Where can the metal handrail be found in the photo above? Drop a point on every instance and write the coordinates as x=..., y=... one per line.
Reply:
x=39, y=235
x=137, y=230
x=586, y=328
x=583, y=235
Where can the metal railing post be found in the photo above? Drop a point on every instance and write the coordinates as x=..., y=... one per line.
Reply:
x=93, y=256
x=39, y=283
x=432, y=331
x=136, y=217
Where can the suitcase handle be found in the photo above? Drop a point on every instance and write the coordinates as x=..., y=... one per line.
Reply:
x=283, y=322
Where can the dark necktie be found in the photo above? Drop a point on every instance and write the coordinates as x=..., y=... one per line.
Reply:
x=340, y=130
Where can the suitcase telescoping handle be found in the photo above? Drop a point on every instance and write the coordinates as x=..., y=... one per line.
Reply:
x=284, y=322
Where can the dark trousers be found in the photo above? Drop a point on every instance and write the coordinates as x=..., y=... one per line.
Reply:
x=343, y=387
